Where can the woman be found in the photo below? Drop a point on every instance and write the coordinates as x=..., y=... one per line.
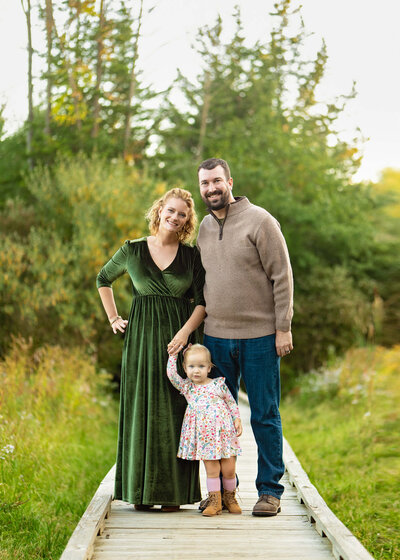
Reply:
x=167, y=308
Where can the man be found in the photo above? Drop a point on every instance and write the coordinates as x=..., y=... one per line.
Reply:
x=249, y=304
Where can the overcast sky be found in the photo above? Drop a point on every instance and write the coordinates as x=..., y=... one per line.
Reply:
x=363, y=43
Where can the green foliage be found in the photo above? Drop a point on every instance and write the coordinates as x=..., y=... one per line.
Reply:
x=386, y=269
x=93, y=87
x=82, y=211
x=258, y=108
x=389, y=187
x=13, y=163
x=2, y=121
x=343, y=423
x=57, y=441
x=325, y=324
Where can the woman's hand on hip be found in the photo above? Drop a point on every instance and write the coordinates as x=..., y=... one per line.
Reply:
x=178, y=342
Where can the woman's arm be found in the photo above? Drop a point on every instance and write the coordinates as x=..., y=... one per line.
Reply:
x=107, y=299
x=180, y=339
x=112, y=270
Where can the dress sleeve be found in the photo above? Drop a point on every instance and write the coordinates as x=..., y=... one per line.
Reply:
x=174, y=376
x=198, y=279
x=228, y=398
x=115, y=268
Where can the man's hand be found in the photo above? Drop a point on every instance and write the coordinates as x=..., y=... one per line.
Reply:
x=283, y=343
x=238, y=426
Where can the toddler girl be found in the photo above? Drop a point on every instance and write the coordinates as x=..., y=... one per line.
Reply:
x=211, y=426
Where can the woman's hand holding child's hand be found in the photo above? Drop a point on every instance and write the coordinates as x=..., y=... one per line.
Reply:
x=178, y=343
x=238, y=426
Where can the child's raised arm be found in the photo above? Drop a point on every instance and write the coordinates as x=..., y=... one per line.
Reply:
x=173, y=374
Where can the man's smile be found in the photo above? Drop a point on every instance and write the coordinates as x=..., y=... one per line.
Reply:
x=214, y=194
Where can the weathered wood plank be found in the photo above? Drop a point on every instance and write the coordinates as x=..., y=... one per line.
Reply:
x=130, y=534
x=133, y=534
x=282, y=523
x=345, y=545
x=220, y=554
x=80, y=545
x=182, y=537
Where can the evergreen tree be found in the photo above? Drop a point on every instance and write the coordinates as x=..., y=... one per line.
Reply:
x=258, y=108
x=94, y=95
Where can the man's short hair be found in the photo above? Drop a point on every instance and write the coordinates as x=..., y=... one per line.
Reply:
x=211, y=163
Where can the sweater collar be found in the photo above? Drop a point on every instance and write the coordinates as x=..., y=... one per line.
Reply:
x=241, y=203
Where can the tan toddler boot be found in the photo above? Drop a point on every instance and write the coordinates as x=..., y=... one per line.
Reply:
x=230, y=502
x=214, y=504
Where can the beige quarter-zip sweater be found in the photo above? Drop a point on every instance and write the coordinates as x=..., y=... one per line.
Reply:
x=249, y=283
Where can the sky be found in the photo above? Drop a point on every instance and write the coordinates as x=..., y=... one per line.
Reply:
x=363, y=45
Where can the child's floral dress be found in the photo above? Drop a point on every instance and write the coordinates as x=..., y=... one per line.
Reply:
x=208, y=431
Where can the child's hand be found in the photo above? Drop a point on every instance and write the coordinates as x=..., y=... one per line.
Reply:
x=238, y=426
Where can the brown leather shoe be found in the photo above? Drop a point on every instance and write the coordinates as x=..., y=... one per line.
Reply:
x=205, y=503
x=214, y=505
x=267, y=506
x=142, y=507
x=170, y=508
x=230, y=501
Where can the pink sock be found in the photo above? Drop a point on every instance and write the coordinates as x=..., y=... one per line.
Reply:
x=213, y=484
x=229, y=483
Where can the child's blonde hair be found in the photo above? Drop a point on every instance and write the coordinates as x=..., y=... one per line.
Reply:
x=193, y=348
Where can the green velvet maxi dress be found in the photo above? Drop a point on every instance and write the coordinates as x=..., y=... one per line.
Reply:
x=151, y=409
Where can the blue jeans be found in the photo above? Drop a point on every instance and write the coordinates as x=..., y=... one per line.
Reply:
x=256, y=360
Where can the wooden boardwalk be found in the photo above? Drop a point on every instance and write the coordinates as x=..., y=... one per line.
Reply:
x=305, y=529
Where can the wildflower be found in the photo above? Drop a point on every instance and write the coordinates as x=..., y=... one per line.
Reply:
x=8, y=449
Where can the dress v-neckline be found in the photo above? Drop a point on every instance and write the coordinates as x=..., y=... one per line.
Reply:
x=154, y=262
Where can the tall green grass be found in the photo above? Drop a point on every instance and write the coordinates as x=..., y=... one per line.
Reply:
x=57, y=441
x=344, y=425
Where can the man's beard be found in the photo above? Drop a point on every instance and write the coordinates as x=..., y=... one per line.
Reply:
x=217, y=204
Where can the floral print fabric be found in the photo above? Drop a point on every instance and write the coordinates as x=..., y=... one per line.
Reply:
x=208, y=431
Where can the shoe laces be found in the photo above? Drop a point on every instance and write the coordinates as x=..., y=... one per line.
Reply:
x=213, y=498
x=234, y=494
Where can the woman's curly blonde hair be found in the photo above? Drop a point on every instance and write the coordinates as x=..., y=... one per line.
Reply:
x=153, y=217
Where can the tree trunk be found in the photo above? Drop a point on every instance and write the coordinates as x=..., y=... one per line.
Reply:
x=49, y=38
x=29, y=132
x=99, y=72
x=204, y=114
x=132, y=85
x=76, y=94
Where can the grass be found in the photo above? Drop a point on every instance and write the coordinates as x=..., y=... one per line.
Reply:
x=344, y=426
x=58, y=437
x=57, y=441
